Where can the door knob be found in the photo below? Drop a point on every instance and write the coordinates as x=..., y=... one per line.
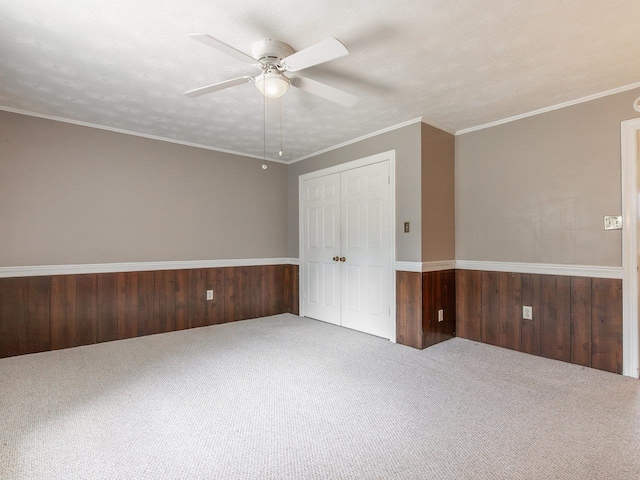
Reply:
x=343, y=259
x=335, y=259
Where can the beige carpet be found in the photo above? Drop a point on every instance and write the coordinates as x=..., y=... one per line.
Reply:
x=284, y=397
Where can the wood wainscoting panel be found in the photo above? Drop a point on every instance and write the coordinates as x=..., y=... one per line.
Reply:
x=86, y=309
x=530, y=329
x=606, y=326
x=146, y=300
x=575, y=319
x=13, y=316
x=63, y=311
x=267, y=290
x=107, y=329
x=501, y=309
x=438, y=293
x=469, y=304
x=237, y=305
x=409, y=308
x=127, y=287
x=581, y=321
x=555, y=326
x=215, y=307
x=46, y=313
x=197, y=298
x=38, y=314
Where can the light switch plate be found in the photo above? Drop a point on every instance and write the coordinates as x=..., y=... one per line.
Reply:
x=613, y=222
x=441, y=315
x=209, y=294
x=527, y=312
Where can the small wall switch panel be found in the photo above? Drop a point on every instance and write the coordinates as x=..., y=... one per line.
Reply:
x=527, y=313
x=613, y=222
x=209, y=294
x=406, y=227
x=440, y=315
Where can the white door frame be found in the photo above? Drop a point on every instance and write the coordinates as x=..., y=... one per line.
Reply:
x=630, y=337
x=389, y=156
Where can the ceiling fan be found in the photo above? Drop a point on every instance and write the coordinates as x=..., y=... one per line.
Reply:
x=279, y=64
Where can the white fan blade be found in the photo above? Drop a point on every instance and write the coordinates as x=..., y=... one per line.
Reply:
x=223, y=47
x=325, y=91
x=325, y=51
x=196, y=92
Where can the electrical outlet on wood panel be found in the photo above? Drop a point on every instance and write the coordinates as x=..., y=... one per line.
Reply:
x=441, y=315
x=527, y=312
x=209, y=294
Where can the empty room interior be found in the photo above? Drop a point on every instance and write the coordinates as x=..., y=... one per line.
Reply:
x=319, y=240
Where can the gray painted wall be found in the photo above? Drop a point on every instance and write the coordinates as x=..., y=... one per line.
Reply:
x=406, y=142
x=438, y=186
x=535, y=190
x=71, y=194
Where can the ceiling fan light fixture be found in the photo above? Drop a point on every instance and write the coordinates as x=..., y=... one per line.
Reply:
x=272, y=85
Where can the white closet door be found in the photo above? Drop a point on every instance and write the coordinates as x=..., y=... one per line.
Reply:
x=321, y=244
x=365, y=236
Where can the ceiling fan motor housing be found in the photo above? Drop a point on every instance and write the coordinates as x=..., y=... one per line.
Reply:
x=271, y=51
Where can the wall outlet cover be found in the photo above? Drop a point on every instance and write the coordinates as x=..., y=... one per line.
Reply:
x=441, y=315
x=527, y=312
x=209, y=294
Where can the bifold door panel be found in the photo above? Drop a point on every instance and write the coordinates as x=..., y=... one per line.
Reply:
x=347, y=259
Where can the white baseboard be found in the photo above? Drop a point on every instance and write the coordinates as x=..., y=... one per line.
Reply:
x=34, y=271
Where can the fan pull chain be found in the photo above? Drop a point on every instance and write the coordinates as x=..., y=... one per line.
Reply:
x=281, y=121
x=264, y=132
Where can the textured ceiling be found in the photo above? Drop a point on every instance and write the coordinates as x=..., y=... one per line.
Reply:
x=124, y=64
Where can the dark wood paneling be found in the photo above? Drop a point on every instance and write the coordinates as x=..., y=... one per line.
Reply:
x=38, y=315
x=180, y=299
x=295, y=290
x=501, y=309
x=13, y=316
x=63, y=311
x=606, y=326
x=86, y=309
x=164, y=305
x=43, y=313
x=215, y=307
x=530, y=329
x=107, y=308
x=469, y=304
x=267, y=287
x=581, y=321
x=127, y=287
x=146, y=298
x=438, y=290
x=197, y=298
x=237, y=305
x=555, y=319
x=409, y=309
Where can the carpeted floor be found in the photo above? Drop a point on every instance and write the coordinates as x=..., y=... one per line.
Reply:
x=285, y=397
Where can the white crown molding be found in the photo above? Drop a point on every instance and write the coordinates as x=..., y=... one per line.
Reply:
x=135, y=134
x=542, y=268
x=595, y=96
x=35, y=271
x=359, y=139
